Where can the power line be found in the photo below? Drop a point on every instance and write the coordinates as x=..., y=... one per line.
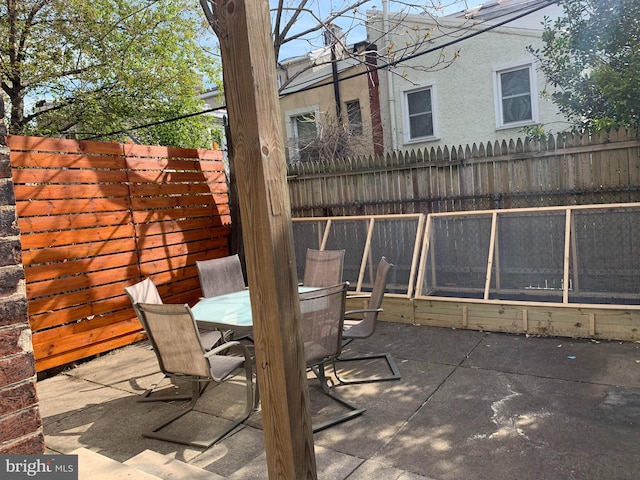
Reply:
x=159, y=122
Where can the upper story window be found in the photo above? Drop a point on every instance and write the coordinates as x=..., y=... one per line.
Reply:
x=516, y=96
x=354, y=116
x=418, y=108
x=302, y=131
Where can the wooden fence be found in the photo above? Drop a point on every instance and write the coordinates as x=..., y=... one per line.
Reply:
x=565, y=170
x=97, y=217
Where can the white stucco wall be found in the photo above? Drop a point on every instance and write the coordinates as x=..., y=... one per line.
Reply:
x=464, y=98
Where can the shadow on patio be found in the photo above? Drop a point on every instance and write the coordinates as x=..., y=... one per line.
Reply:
x=470, y=405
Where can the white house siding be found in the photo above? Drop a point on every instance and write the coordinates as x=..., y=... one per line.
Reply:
x=464, y=92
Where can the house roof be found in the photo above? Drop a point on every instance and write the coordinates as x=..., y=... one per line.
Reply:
x=494, y=9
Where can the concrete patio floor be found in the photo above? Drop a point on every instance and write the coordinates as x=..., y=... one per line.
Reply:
x=470, y=405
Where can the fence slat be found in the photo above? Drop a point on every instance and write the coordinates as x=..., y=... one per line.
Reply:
x=84, y=250
x=38, y=273
x=76, y=236
x=70, y=206
x=72, y=221
x=51, y=192
x=66, y=160
x=68, y=176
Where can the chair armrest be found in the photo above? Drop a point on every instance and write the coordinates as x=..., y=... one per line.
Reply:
x=363, y=310
x=358, y=295
x=226, y=346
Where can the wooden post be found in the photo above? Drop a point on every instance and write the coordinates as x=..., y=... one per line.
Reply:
x=490, y=257
x=252, y=101
x=567, y=253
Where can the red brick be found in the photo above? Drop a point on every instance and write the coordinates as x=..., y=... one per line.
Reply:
x=10, y=251
x=8, y=222
x=10, y=277
x=10, y=340
x=17, y=368
x=6, y=193
x=32, y=445
x=13, y=310
x=20, y=424
x=18, y=397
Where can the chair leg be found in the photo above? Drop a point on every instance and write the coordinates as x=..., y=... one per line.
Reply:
x=148, y=397
x=395, y=372
x=352, y=410
x=196, y=393
x=158, y=435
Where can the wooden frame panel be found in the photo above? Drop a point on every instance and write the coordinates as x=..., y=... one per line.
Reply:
x=366, y=262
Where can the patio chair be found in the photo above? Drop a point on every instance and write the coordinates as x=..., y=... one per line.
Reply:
x=173, y=331
x=322, y=321
x=323, y=268
x=359, y=324
x=220, y=276
x=147, y=292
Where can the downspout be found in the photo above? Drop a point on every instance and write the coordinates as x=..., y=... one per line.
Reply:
x=336, y=83
x=392, y=98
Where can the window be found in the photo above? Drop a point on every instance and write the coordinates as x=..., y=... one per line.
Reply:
x=303, y=134
x=354, y=115
x=418, y=110
x=516, y=96
x=306, y=129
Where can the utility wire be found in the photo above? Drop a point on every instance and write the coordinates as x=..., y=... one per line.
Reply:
x=543, y=4
x=159, y=122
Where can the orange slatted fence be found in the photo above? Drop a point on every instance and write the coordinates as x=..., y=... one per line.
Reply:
x=96, y=217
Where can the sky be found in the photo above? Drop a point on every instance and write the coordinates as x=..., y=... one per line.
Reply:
x=322, y=9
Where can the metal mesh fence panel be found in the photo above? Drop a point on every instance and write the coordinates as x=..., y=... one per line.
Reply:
x=457, y=258
x=395, y=240
x=307, y=235
x=350, y=235
x=530, y=254
x=608, y=255
x=577, y=254
x=365, y=239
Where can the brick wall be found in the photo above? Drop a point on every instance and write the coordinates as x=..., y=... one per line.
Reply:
x=20, y=421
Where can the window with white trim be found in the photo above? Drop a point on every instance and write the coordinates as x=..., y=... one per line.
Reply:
x=303, y=132
x=516, y=96
x=418, y=107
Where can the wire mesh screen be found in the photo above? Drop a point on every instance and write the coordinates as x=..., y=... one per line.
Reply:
x=456, y=262
x=307, y=235
x=394, y=239
x=607, y=246
x=350, y=236
x=529, y=255
x=365, y=239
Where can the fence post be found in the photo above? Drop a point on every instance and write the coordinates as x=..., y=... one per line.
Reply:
x=20, y=422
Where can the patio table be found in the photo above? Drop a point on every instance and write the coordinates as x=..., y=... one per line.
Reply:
x=230, y=311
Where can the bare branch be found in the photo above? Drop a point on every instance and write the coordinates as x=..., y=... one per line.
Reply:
x=280, y=36
x=209, y=13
